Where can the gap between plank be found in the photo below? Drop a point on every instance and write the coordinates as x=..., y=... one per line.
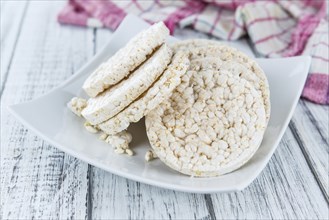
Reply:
x=301, y=144
x=94, y=41
x=89, y=193
x=14, y=49
x=90, y=167
x=210, y=206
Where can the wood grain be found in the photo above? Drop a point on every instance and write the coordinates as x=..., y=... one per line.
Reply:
x=286, y=189
x=311, y=135
x=12, y=19
x=319, y=115
x=37, y=180
x=119, y=198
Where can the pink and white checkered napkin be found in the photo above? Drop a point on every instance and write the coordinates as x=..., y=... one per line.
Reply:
x=277, y=28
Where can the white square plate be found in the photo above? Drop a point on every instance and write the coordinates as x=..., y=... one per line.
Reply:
x=50, y=119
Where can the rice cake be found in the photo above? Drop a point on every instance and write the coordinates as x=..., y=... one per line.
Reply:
x=122, y=63
x=209, y=127
x=160, y=91
x=205, y=49
x=112, y=101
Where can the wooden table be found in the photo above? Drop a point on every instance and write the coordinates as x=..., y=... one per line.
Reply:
x=38, y=181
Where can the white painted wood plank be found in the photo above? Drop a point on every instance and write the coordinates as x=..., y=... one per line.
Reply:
x=102, y=38
x=119, y=198
x=37, y=180
x=311, y=132
x=286, y=189
x=319, y=116
x=11, y=20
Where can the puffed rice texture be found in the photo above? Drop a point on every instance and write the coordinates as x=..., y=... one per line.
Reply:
x=160, y=91
x=112, y=101
x=205, y=49
x=209, y=127
x=122, y=63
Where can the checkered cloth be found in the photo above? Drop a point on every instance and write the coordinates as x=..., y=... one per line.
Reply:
x=276, y=28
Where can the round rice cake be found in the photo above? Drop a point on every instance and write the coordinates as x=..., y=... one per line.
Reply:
x=160, y=91
x=115, y=99
x=210, y=126
x=122, y=63
x=230, y=58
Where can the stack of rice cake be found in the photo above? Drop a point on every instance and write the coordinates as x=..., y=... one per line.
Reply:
x=206, y=104
x=131, y=83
